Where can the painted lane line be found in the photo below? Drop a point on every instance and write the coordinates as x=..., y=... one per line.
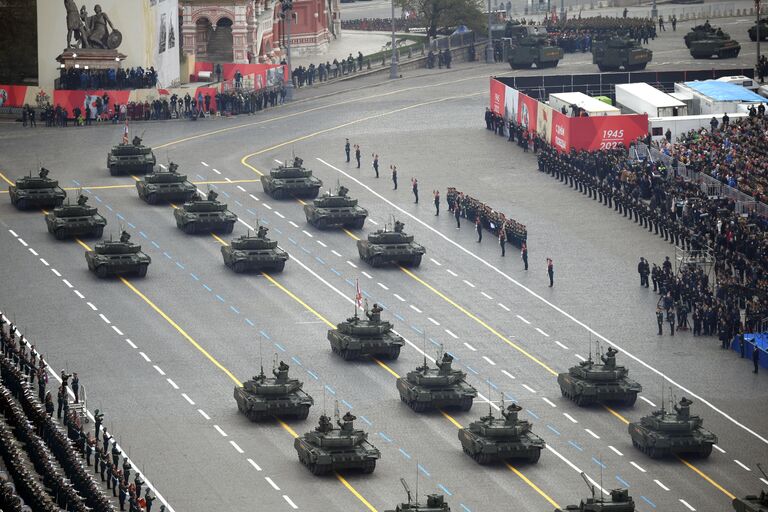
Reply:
x=574, y=466
x=240, y=188
x=599, y=463
x=13, y=233
x=106, y=320
x=571, y=418
x=335, y=253
x=307, y=233
x=220, y=431
x=433, y=260
x=450, y=333
x=622, y=482
x=446, y=491
x=716, y=447
x=502, y=306
x=373, y=222
x=159, y=370
x=278, y=161
x=34, y=252
x=253, y=197
x=454, y=274
x=236, y=447
x=489, y=360
x=433, y=320
x=366, y=274
x=69, y=285
x=470, y=347
x=580, y=357
x=562, y=346
x=42, y=260
x=290, y=502
x=614, y=450
x=186, y=397
x=764, y=480
x=56, y=272
x=217, y=171
x=398, y=297
x=542, y=333
x=385, y=437
x=22, y=242
x=203, y=414
x=529, y=388
x=270, y=482
x=321, y=243
x=351, y=264
x=741, y=464
x=279, y=214
x=173, y=384
x=575, y=445
x=549, y=402
x=77, y=292
x=637, y=466
x=486, y=295
x=591, y=433
x=468, y=283
x=553, y=429
x=505, y=372
x=205, y=164
x=652, y=504
x=404, y=453
x=132, y=344
x=687, y=505
x=145, y=356
x=253, y=463
x=267, y=206
x=523, y=319
x=661, y=485
x=414, y=308
x=117, y=330
x=649, y=403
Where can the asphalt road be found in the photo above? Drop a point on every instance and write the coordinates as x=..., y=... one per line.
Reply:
x=161, y=355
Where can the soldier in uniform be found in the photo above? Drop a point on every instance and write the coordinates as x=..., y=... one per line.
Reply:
x=660, y=319
x=98, y=419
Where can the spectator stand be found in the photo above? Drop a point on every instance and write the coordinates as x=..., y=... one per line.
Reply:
x=752, y=342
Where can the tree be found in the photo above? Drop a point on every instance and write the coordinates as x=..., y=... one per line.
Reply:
x=439, y=14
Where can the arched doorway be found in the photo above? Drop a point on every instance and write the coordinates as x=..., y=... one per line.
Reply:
x=203, y=30
x=220, y=42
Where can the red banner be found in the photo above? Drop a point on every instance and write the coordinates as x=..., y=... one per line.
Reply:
x=88, y=99
x=527, y=112
x=13, y=95
x=560, y=124
x=606, y=132
x=498, y=90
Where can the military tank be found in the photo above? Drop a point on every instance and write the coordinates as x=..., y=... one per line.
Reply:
x=493, y=439
x=357, y=337
x=752, y=502
x=117, y=258
x=291, y=181
x=763, y=30
x=620, y=52
x=697, y=33
x=254, y=253
x=442, y=387
x=263, y=397
x=75, y=220
x=333, y=210
x=435, y=503
x=618, y=501
x=327, y=449
x=717, y=44
x=205, y=215
x=386, y=246
x=590, y=382
x=664, y=433
x=130, y=158
x=36, y=191
x=527, y=45
x=166, y=186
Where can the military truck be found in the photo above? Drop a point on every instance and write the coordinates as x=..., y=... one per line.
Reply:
x=698, y=32
x=436, y=388
x=75, y=220
x=117, y=258
x=207, y=215
x=333, y=210
x=620, y=53
x=664, y=433
x=435, y=503
x=263, y=397
x=590, y=382
x=326, y=448
x=167, y=186
x=254, y=253
x=493, y=439
x=752, y=502
x=370, y=336
x=130, y=158
x=763, y=30
x=36, y=191
x=718, y=44
x=385, y=246
x=291, y=181
x=619, y=501
x=527, y=45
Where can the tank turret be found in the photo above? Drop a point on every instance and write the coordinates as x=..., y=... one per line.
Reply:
x=762, y=26
x=753, y=502
x=618, y=500
x=434, y=503
x=590, y=382
x=492, y=439
x=370, y=335
x=620, y=53
x=75, y=220
x=328, y=448
x=167, y=186
x=291, y=181
x=205, y=215
x=263, y=397
x=257, y=252
x=117, y=258
x=130, y=158
x=436, y=388
x=698, y=32
x=528, y=45
x=36, y=191
x=334, y=210
x=664, y=433
x=390, y=246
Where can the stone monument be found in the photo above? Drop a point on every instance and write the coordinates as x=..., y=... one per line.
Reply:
x=95, y=39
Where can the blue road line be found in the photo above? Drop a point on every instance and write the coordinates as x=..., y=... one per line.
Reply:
x=180, y=265
x=396, y=315
x=336, y=272
x=598, y=462
x=143, y=234
x=319, y=259
x=623, y=482
x=296, y=360
x=417, y=329
x=368, y=295
x=576, y=446
x=194, y=276
x=292, y=241
x=405, y=454
x=550, y=427
x=98, y=199
x=648, y=501
x=130, y=225
x=200, y=177
x=385, y=437
x=167, y=255
x=207, y=287
x=280, y=347
x=366, y=420
x=532, y=413
x=384, y=306
x=238, y=203
x=349, y=281
x=466, y=508
x=434, y=342
x=214, y=186
x=277, y=231
x=304, y=249
x=444, y=489
x=265, y=222
x=248, y=321
x=314, y=376
x=453, y=356
x=265, y=335
x=346, y=404
x=421, y=468
x=109, y=207
x=330, y=389
x=155, y=244
x=76, y=183
x=494, y=386
x=220, y=298
x=250, y=211
x=224, y=193
x=472, y=370
x=120, y=216
x=233, y=308
x=510, y=397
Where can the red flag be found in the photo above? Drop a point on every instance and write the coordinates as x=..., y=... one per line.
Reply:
x=125, y=132
x=358, y=295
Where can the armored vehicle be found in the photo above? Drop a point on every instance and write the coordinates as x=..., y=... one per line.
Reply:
x=717, y=44
x=115, y=258
x=590, y=382
x=763, y=30
x=528, y=45
x=698, y=32
x=75, y=220
x=426, y=388
x=128, y=158
x=751, y=502
x=291, y=181
x=435, y=503
x=620, y=52
x=386, y=246
x=619, y=501
x=166, y=186
x=357, y=337
x=205, y=215
x=327, y=449
x=263, y=397
x=36, y=191
x=254, y=253
x=663, y=433
x=493, y=439
x=335, y=210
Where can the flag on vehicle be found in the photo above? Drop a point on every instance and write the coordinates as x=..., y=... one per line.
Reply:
x=125, y=132
x=358, y=295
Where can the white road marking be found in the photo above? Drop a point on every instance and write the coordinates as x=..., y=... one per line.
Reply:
x=454, y=274
x=470, y=347
x=351, y=264
x=162, y=166
x=270, y=482
x=336, y=253
x=253, y=463
x=366, y=274
x=278, y=161
x=173, y=384
x=186, y=397
x=69, y=285
x=542, y=332
x=398, y=297
x=581, y=358
x=217, y=171
x=433, y=320
x=561, y=345
x=433, y=260
x=571, y=418
x=218, y=428
x=77, y=292
x=614, y=450
x=637, y=466
x=13, y=233
x=502, y=306
x=34, y=252
x=240, y=188
x=205, y=164
x=414, y=308
x=549, y=402
x=320, y=242
x=468, y=283
x=203, y=414
x=744, y=466
x=117, y=330
x=236, y=447
x=383, y=286
x=451, y=334
x=310, y=235
x=159, y=370
x=267, y=206
x=764, y=480
x=489, y=360
x=529, y=388
x=576, y=468
x=42, y=260
x=90, y=304
x=290, y=502
x=56, y=272
x=22, y=242
x=486, y=295
x=688, y=505
x=253, y=197
x=505, y=372
x=132, y=344
x=145, y=356
x=227, y=180
x=716, y=447
x=649, y=403
x=293, y=224
x=279, y=214
x=523, y=319
x=106, y=320
x=591, y=433
x=373, y=222
x=661, y=485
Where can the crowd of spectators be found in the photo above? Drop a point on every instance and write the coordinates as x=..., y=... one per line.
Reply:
x=383, y=24
x=490, y=219
x=578, y=34
x=93, y=79
x=308, y=75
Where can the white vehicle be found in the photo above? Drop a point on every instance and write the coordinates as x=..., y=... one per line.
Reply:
x=641, y=98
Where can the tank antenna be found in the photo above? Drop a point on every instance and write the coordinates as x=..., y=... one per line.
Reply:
x=590, y=346
x=761, y=470
x=407, y=490
x=417, y=481
x=589, y=485
x=662, y=396
x=490, y=411
x=261, y=360
x=424, y=348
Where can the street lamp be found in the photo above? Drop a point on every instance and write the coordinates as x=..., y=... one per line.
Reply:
x=489, y=48
x=287, y=14
x=757, y=62
x=393, y=71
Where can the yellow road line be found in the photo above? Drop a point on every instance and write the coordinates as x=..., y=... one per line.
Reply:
x=294, y=297
x=616, y=414
x=451, y=419
x=107, y=187
x=135, y=178
x=222, y=242
x=386, y=367
x=287, y=428
x=707, y=478
x=533, y=485
x=5, y=179
x=356, y=494
x=351, y=234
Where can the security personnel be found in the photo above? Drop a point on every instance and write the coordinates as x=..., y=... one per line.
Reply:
x=98, y=419
x=62, y=398
x=479, y=229
x=524, y=254
x=755, y=356
x=502, y=241
x=148, y=499
x=671, y=320
x=347, y=149
x=660, y=319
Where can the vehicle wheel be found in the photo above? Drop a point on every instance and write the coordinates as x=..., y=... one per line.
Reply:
x=60, y=234
x=279, y=266
x=98, y=232
x=320, y=224
x=418, y=406
x=416, y=260
x=483, y=458
x=466, y=404
x=629, y=402
x=369, y=467
x=230, y=228
x=149, y=168
x=152, y=198
x=142, y=272
x=376, y=261
x=21, y=204
x=318, y=469
x=277, y=194
x=394, y=353
x=359, y=223
x=303, y=413
x=188, y=229
x=706, y=451
x=654, y=453
x=349, y=355
x=101, y=271
x=314, y=193
x=534, y=458
x=113, y=171
x=238, y=267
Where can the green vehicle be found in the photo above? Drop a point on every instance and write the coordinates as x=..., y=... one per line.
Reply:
x=75, y=220
x=697, y=33
x=371, y=336
x=718, y=44
x=384, y=246
x=39, y=191
x=291, y=181
x=254, y=253
x=265, y=397
x=763, y=30
x=130, y=158
x=326, y=448
x=332, y=210
x=664, y=433
x=168, y=186
x=751, y=502
x=206, y=215
x=590, y=382
x=435, y=503
x=620, y=53
x=507, y=438
x=436, y=388
x=619, y=501
x=117, y=258
x=528, y=45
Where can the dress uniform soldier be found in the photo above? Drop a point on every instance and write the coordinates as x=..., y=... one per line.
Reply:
x=524, y=254
x=62, y=397
x=126, y=470
x=104, y=468
x=88, y=448
x=671, y=320
x=755, y=356
x=123, y=494
x=49, y=405
x=148, y=499
x=436, y=194
x=106, y=439
x=394, y=176
x=457, y=215
x=503, y=241
x=115, y=455
x=479, y=229
x=98, y=419
x=138, y=482
x=76, y=387
x=109, y=467
x=347, y=149
x=551, y=272
x=376, y=164
x=660, y=319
